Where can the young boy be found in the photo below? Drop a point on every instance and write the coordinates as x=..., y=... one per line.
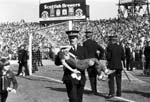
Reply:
x=69, y=60
x=6, y=78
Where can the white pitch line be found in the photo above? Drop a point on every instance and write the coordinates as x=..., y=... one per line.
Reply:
x=123, y=99
x=49, y=78
x=86, y=88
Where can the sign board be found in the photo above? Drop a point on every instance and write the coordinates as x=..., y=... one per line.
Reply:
x=63, y=10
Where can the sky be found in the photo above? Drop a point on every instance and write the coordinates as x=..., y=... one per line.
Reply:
x=16, y=10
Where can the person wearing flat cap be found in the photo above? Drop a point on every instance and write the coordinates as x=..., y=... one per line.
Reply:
x=75, y=87
x=94, y=51
x=115, y=57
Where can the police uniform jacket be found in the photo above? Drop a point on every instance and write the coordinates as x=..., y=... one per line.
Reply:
x=114, y=55
x=6, y=80
x=92, y=47
x=22, y=56
x=128, y=53
x=80, y=53
x=147, y=52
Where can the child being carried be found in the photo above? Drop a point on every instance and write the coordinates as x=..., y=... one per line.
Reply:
x=69, y=60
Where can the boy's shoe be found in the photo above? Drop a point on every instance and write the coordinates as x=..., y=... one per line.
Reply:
x=76, y=76
x=102, y=77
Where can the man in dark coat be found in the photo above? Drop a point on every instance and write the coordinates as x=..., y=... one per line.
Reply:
x=39, y=57
x=128, y=56
x=22, y=60
x=75, y=87
x=115, y=57
x=92, y=49
x=147, y=58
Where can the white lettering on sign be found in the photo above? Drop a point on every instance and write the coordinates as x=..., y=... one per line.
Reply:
x=61, y=6
x=126, y=1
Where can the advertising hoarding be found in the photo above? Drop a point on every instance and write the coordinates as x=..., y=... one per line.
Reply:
x=63, y=10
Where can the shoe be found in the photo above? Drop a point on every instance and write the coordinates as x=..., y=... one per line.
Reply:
x=17, y=74
x=110, y=96
x=76, y=76
x=118, y=95
x=93, y=93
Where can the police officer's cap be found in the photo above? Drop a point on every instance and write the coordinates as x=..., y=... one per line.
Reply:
x=113, y=37
x=72, y=33
x=88, y=33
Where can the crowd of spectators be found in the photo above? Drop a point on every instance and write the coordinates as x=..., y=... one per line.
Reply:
x=133, y=31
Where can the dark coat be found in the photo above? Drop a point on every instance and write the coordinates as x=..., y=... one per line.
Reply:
x=39, y=54
x=80, y=53
x=114, y=55
x=147, y=52
x=8, y=79
x=92, y=47
x=128, y=53
x=22, y=56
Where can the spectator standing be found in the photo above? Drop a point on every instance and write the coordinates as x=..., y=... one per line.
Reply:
x=34, y=59
x=92, y=49
x=115, y=57
x=138, y=56
x=22, y=60
x=147, y=58
x=5, y=52
x=128, y=56
x=39, y=57
x=75, y=87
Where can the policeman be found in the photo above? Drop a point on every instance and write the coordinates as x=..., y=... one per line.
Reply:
x=22, y=60
x=92, y=49
x=115, y=57
x=74, y=86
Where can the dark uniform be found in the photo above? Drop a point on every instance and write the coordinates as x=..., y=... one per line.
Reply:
x=75, y=87
x=115, y=56
x=5, y=82
x=92, y=48
x=22, y=60
x=39, y=57
x=128, y=55
x=147, y=57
